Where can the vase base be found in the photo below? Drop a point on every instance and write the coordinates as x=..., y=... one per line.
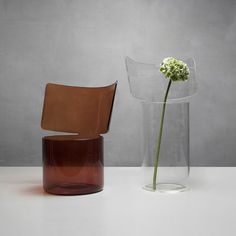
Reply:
x=73, y=189
x=166, y=188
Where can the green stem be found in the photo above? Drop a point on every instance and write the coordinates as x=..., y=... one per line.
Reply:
x=154, y=183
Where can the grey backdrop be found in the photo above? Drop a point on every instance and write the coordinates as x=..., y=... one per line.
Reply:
x=84, y=43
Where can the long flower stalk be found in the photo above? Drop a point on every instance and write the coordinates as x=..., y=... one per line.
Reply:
x=174, y=70
x=154, y=182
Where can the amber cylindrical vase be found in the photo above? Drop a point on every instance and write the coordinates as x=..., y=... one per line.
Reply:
x=71, y=165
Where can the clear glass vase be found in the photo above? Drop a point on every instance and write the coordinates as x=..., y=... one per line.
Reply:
x=168, y=171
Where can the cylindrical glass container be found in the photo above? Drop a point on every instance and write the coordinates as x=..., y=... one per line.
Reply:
x=173, y=163
x=149, y=86
x=71, y=165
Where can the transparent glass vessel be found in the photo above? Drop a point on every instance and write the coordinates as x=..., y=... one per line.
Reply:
x=149, y=85
x=72, y=165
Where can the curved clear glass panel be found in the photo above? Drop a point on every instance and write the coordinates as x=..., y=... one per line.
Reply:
x=149, y=84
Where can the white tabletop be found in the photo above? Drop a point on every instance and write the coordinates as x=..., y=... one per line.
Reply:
x=122, y=208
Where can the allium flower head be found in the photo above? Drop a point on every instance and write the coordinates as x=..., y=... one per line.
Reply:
x=174, y=69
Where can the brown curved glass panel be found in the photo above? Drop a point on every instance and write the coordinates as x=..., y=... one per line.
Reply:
x=81, y=110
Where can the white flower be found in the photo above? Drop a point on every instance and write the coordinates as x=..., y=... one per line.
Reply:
x=174, y=69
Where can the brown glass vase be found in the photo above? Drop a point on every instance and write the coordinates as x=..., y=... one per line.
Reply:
x=72, y=165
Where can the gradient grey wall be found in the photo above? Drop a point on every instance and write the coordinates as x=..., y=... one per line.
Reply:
x=84, y=43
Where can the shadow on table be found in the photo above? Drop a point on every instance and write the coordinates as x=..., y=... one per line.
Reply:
x=34, y=191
